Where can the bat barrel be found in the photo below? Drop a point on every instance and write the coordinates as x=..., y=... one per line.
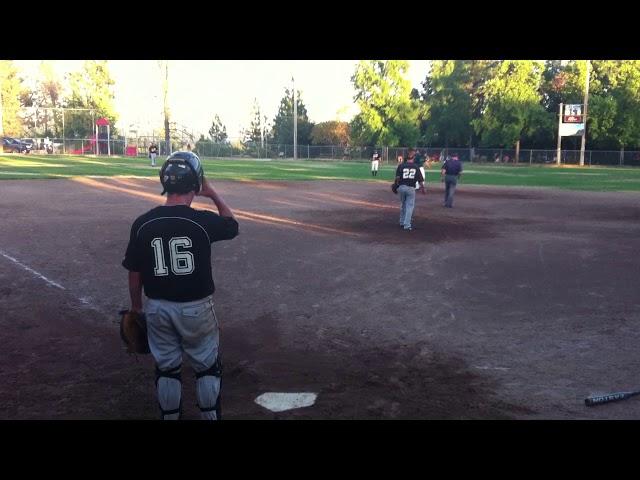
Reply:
x=613, y=397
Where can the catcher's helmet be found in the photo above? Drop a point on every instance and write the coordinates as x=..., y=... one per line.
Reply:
x=181, y=173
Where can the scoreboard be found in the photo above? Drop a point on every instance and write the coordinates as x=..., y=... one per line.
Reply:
x=572, y=114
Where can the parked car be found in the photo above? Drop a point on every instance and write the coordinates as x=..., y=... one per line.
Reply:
x=30, y=142
x=11, y=145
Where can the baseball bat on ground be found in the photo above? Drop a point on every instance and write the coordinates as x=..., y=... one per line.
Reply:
x=609, y=397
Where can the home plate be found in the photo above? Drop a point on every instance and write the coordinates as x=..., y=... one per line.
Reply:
x=279, y=402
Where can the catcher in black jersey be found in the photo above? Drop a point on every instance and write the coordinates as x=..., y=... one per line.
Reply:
x=169, y=255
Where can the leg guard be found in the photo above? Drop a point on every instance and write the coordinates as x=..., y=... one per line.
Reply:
x=208, y=386
x=169, y=388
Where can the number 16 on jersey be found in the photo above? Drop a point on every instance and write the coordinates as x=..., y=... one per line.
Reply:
x=181, y=261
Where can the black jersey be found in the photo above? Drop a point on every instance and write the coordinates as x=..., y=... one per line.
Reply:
x=153, y=149
x=409, y=174
x=171, y=247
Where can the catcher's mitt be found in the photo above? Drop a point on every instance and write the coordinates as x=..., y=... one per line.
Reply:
x=133, y=331
x=394, y=188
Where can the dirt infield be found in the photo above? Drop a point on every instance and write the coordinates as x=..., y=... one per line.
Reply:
x=517, y=303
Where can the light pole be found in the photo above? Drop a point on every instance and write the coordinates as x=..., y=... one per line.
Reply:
x=559, y=134
x=164, y=70
x=295, y=121
x=584, y=118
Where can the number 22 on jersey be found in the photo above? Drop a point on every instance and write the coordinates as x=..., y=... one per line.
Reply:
x=409, y=173
x=181, y=261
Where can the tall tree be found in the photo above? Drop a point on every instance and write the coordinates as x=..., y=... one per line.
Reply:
x=554, y=80
x=41, y=117
x=562, y=82
x=388, y=115
x=452, y=97
x=91, y=88
x=218, y=132
x=282, y=131
x=330, y=133
x=446, y=92
x=613, y=118
x=614, y=104
x=480, y=72
x=513, y=104
x=10, y=92
x=253, y=133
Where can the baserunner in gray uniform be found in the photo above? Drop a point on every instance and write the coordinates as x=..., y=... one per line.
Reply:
x=450, y=174
x=169, y=254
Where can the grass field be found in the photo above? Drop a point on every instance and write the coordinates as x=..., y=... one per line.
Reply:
x=572, y=178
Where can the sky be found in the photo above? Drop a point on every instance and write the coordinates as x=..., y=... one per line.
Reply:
x=200, y=89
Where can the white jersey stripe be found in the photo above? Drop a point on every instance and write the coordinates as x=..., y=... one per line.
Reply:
x=180, y=218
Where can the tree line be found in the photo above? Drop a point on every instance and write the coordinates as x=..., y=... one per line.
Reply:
x=460, y=103
x=503, y=103
x=32, y=109
x=471, y=103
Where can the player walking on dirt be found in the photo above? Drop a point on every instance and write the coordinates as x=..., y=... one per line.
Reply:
x=450, y=174
x=419, y=161
x=153, y=153
x=375, y=163
x=407, y=176
x=169, y=255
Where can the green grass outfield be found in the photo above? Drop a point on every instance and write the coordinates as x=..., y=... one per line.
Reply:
x=572, y=178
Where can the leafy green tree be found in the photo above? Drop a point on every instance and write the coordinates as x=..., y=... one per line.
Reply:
x=480, y=72
x=450, y=104
x=554, y=80
x=452, y=97
x=612, y=120
x=41, y=118
x=614, y=104
x=91, y=87
x=388, y=113
x=513, y=104
x=10, y=91
x=282, y=130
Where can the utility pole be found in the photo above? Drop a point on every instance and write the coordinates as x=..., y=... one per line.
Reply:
x=559, y=135
x=584, y=118
x=164, y=64
x=261, y=134
x=266, y=138
x=295, y=121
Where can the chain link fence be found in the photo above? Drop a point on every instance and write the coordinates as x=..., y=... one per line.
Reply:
x=139, y=147
x=567, y=157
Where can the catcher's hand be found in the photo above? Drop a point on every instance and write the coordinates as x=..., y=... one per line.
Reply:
x=394, y=188
x=133, y=331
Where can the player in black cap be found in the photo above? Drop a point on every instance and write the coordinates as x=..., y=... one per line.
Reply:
x=169, y=255
x=375, y=163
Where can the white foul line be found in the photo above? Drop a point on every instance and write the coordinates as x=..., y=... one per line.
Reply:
x=28, y=269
